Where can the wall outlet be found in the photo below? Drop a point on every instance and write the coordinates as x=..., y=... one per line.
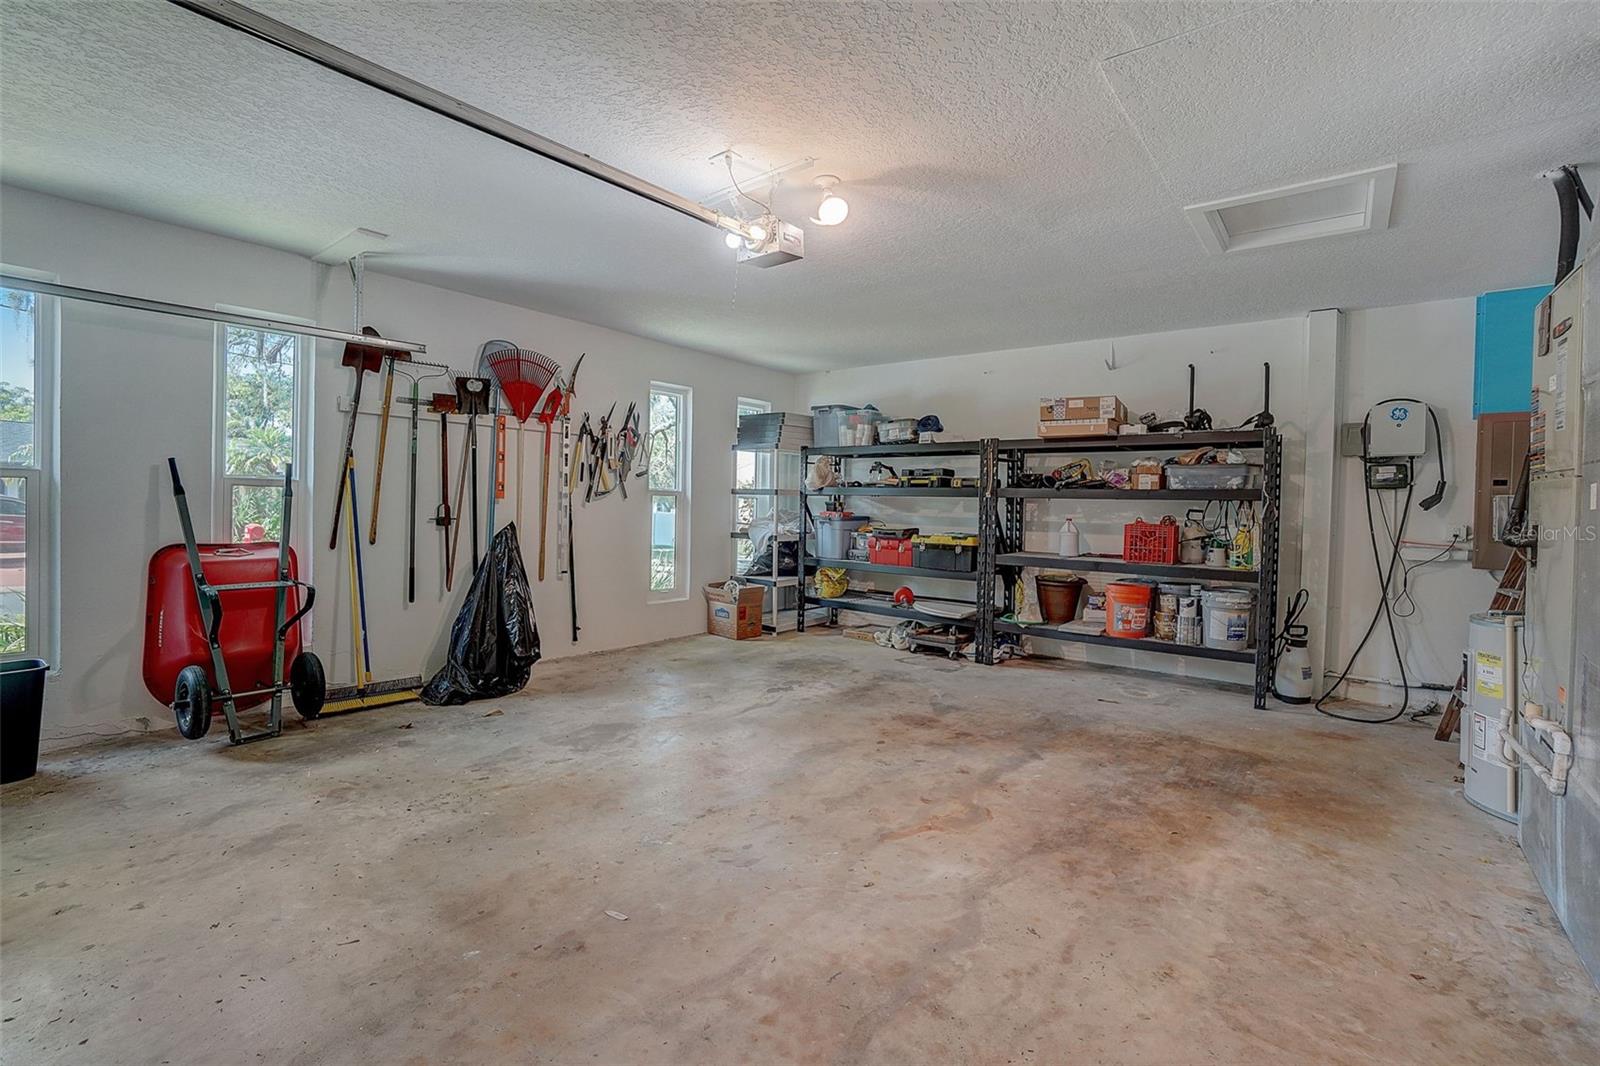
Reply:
x=1460, y=533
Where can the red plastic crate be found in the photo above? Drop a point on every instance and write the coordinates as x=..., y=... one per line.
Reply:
x=890, y=551
x=1151, y=542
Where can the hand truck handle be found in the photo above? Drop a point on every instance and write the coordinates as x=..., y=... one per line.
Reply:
x=216, y=613
x=177, y=482
x=305, y=608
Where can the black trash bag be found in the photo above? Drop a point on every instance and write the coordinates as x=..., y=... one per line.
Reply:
x=761, y=558
x=494, y=641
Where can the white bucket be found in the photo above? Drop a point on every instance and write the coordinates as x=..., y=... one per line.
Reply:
x=1227, y=618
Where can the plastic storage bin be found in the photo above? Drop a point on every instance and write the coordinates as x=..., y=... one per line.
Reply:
x=957, y=552
x=898, y=431
x=834, y=530
x=840, y=425
x=1209, y=476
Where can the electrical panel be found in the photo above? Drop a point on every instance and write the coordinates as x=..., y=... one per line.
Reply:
x=1502, y=447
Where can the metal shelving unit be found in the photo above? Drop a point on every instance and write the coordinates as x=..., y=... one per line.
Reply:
x=1000, y=519
x=982, y=620
x=1015, y=453
x=771, y=467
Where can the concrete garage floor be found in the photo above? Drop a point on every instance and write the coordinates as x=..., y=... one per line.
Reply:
x=826, y=852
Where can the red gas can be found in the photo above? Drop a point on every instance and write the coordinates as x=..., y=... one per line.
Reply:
x=175, y=637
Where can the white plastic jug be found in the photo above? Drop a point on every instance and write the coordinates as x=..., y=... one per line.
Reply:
x=1069, y=540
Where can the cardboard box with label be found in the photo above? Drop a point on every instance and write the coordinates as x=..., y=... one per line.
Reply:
x=1081, y=416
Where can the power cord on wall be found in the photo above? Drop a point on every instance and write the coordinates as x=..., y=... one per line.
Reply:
x=1384, y=612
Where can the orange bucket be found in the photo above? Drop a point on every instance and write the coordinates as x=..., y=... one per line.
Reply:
x=1128, y=609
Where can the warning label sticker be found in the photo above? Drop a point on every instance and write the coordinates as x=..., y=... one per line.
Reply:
x=1490, y=676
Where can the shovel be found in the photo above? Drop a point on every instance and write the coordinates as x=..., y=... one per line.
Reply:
x=383, y=440
x=363, y=358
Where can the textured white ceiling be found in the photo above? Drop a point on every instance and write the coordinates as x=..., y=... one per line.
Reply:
x=1016, y=172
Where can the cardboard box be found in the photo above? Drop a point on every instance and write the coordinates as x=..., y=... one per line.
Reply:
x=1078, y=427
x=1075, y=408
x=735, y=619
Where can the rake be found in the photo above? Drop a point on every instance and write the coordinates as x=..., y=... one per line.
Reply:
x=523, y=376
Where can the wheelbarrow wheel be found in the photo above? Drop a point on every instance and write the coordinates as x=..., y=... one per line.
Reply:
x=191, y=702
x=307, y=684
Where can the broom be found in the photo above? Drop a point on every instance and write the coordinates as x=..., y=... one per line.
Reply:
x=365, y=692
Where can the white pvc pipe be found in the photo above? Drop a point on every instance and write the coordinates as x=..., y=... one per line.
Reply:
x=1554, y=776
x=1508, y=702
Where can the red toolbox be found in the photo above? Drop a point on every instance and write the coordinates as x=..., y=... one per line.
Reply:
x=891, y=547
x=175, y=637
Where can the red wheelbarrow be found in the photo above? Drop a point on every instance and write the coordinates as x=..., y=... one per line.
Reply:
x=195, y=651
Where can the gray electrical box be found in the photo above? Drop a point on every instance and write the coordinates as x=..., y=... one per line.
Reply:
x=785, y=244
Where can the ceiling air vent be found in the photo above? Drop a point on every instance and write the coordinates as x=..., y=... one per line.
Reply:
x=1349, y=203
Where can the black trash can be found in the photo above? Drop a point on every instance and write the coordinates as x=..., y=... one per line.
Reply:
x=21, y=708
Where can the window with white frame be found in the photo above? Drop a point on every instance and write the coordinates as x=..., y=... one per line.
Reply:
x=27, y=391
x=262, y=384
x=668, y=441
x=751, y=470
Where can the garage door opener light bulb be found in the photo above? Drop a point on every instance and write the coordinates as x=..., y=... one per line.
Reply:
x=833, y=209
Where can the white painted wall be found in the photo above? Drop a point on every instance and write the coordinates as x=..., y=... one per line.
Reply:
x=136, y=388
x=1422, y=350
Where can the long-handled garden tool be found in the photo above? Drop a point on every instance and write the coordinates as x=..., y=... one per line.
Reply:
x=363, y=358
x=383, y=441
x=415, y=400
x=365, y=692
x=555, y=402
x=497, y=473
x=523, y=376
x=444, y=404
x=472, y=400
x=566, y=456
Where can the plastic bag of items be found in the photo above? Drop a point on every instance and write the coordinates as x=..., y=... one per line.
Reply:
x=494, y=641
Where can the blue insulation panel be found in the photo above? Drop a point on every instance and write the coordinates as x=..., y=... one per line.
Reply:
x=1503, y=364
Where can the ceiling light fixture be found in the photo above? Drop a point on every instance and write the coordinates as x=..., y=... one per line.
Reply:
x=833, y=209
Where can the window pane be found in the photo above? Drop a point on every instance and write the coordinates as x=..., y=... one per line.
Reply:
x=663, y=543
x=13, y=565
x=260, y=398
x=744, y=470
x=744, y=511
x=743, y=553
x=665, y=416
x=17, y=324
x=256, y=513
